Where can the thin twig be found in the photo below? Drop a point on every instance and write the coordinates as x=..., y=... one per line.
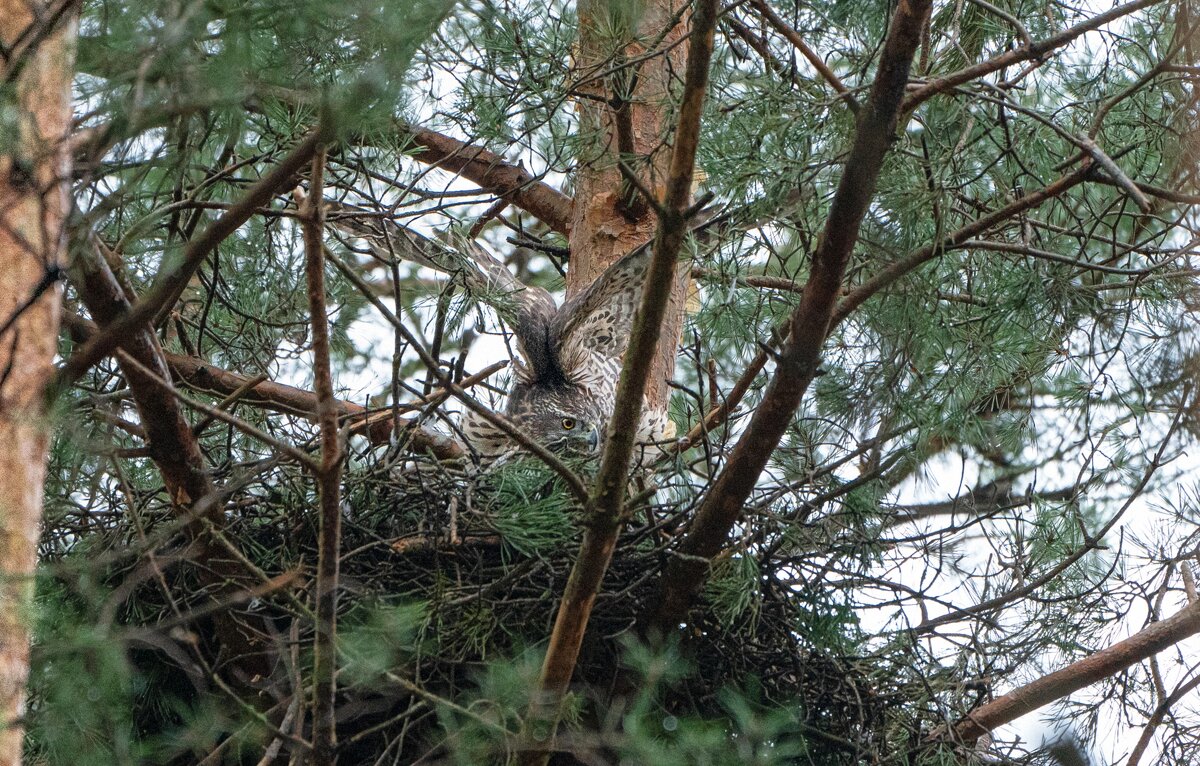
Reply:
x=782, y=27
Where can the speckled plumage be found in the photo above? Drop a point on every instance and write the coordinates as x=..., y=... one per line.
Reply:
x=565, y=384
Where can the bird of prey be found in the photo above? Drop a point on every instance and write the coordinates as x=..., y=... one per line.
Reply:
x=565, y=383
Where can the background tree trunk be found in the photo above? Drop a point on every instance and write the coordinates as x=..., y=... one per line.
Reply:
x=34, y=167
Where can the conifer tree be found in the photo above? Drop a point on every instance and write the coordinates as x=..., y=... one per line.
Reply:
x=918, y=298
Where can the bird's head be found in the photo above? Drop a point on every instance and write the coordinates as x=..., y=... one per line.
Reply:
x=563, y=431
x=564, y=419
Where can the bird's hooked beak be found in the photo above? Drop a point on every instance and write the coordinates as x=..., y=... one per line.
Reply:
x=593, y=440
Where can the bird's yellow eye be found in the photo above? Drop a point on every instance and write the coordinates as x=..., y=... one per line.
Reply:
x=568, y=424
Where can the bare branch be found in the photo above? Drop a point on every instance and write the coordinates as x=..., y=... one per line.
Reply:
x=199, y=375
x=605, y=510
x=491, y=171
x=328, y=476
x=1104, y=663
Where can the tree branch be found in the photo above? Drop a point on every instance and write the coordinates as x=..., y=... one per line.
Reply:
x=1159, y=714
x=1090, y=542
x=792, y=36
x=897, y=269
x=171, y=443
x=329, y=535
x=796, y=364
x=1104, y=663
x=173, y=279
x=199, y=375
x=1037, y=50
x=605, y=511
x=492, y=172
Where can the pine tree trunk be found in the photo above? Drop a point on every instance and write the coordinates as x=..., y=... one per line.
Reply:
x=608, y=221
x=35, y=117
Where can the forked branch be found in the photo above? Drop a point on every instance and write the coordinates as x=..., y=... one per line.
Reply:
x=797, y=362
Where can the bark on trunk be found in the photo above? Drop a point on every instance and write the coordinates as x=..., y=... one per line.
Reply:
x=629, y=119
x=34, y=168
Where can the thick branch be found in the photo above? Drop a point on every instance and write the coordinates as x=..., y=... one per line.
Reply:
x=171, y=443
x=797, y=362
x=492, y=172
x=169, y=437
x=1104, y=663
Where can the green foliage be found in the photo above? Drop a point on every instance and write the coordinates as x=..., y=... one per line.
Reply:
x=80, y=692
x=1049, y=352
x=379, y=639
x=530, y=508
x=733, y=588
x=89, y=703
x=646, y=731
